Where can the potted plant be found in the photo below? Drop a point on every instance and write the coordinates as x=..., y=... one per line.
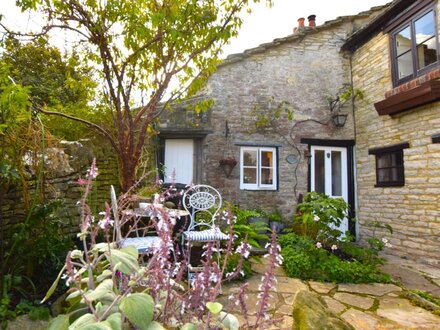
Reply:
x=276, y=221
x=227, y=165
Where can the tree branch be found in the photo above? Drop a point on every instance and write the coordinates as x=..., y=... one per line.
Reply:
x=86, y=122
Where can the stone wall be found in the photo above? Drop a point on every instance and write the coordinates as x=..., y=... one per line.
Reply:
x=413, y=210
x=63, y=167
x=305, y=71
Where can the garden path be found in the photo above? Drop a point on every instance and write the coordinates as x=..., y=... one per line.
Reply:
x=362, y=306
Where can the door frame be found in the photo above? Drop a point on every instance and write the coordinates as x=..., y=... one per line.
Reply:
x=349, y=144
x=198, y=152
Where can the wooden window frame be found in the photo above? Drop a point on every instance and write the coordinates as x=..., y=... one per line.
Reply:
x=398, y=151
x=416, y=13
x=258, y=185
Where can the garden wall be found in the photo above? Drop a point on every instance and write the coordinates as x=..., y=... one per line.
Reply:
x=64, y=165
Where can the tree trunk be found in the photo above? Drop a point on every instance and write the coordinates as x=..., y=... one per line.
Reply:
x=127, y=173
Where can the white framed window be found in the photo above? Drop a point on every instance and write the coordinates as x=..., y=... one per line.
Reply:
x=258, y=168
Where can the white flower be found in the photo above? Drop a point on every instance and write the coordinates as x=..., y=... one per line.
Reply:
x=384, y=240
x=318, y=245
x=316, y=218
x=334, y=247
x=388, y=245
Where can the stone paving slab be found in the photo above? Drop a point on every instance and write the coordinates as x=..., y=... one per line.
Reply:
x=411, y=279
x=411, y=318
x=322, y=287
x=334, y=305
x=354, y=300
x=390, y=302
x=290, y=285
x=375, y=289
x=366, y=321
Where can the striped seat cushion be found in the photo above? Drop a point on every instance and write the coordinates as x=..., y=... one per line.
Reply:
x=214, y=234
x=142, y=244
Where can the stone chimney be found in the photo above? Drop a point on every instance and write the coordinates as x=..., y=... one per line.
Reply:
x=312, y=21
x=300, y=24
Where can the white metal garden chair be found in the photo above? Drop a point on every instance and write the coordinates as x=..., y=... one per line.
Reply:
x=203, y=203
x=146, y=244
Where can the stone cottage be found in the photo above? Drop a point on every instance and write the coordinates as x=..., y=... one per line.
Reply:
x=384, y=160
x=395, y=62
x=302, y=74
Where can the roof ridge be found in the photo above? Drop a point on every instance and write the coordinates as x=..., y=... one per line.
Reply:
x=236, y=57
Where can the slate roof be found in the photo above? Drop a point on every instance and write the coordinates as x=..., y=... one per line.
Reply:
x=299, y=35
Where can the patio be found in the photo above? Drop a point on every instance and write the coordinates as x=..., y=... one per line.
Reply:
x=314, y=305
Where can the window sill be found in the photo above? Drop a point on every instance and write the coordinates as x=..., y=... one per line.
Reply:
x=389, y=184
x=423, y=94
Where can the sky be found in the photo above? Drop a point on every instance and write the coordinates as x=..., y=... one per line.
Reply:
x=263, y=25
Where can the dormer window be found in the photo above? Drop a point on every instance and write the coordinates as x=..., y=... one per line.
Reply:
x=415, y=46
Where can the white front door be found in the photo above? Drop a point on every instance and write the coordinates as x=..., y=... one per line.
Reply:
x=329, y=174
x=179, y=160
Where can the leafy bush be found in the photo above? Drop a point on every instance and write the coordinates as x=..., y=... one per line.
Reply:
x=36, y=252
x=233, y=263
x=305, y=260
x=319, y=217
x=255, y=232
x=41, y=244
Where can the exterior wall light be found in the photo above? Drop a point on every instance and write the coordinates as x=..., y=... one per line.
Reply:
x=339, y=118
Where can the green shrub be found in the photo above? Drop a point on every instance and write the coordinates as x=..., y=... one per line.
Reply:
x=302, y=259
x=254, y=232
x=319, y=217
x=232, y=264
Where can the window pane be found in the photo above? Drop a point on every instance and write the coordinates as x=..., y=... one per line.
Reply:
x=404, y=65
x=250, y=175
x=336, y=174
x=319, y=171
x=383, y=160
x=425, y=27
x=250, y=157
x=266, y=176
x=403, y=41
x=383, y=175
x=394, y=173
x=267, y=158
x=427, y=53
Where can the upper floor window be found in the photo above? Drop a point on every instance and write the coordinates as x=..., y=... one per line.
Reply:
x=258, y=168
x=415, y=46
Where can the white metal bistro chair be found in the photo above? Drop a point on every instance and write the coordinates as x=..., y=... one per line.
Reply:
x=146, y=244
x=203, y=203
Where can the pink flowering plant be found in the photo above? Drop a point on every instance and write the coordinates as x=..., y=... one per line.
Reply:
x=110, y=287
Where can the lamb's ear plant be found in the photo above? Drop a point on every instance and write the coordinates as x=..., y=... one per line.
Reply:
x=113, y=288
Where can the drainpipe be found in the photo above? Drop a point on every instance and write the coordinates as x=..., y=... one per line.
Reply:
x=355, y=191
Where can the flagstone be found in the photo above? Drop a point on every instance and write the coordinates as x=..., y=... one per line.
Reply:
x=322, y=287
x=360, y=320
x=411, y=317
x=285, y=324
x=285, y=310
x=390, y=302
x=261, y=268
x=334, y=305
x=375, y=289
x=354, y=300
x=253, y=300
x=288, y=298
x=290, y=285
